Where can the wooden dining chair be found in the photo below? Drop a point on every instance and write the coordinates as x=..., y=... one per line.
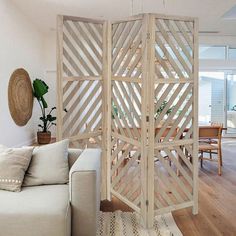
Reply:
x=214, y=141
x=213, y=136
x=163, y=136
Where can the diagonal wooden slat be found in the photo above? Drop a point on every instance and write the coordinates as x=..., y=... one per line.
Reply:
x=91, y=45
x=175, y=126
x=184, y=34
x=174, y=176
x=126, y=47
x=168, y=56
x=68, y=98
x=127, y=183
x=118, y=33
x=164, y=195
x=169, y=41
x=131, y=54
x=120, y=42
x=97, y=36
x=91, y=62
x=66, y=70
x=85, y=104
x=121, y=127
x=91, y=35
x=169, y=104
x=164, y=65
x=76, y=102
x=116, y=151
x=87, y=114
x=127, y=112
x=166, y=182
x=74, y=52
x=135, y=96
x=125, y=154
x=70, y=64
x=179, y=167
x=127, y=97
x=184, y=158
x=179, y=40
x=67, y=86
x=133, y=65
x=132, y=162
x=185, y=125
x=94, y=119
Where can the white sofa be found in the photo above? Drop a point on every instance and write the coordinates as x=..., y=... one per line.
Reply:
x=56, y=210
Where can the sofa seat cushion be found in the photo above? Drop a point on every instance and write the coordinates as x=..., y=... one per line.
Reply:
x=35, y=211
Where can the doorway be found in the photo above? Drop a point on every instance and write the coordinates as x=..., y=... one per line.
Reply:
x=217, y=99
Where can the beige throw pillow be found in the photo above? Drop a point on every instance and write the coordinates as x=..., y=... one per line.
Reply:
x=13, y=164
x=49, y=165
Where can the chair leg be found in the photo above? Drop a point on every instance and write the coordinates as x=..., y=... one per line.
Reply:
x=221, y=161
x=201, y=158
x=210, y=154
x=219, y=164
x=177, y=172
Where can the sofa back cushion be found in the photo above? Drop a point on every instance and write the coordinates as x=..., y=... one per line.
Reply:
x=49, y=165
x=73, y=155
x=13, y=164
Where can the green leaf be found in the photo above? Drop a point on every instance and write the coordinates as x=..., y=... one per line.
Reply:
x=52, y=118
x=45, y=105
x=40, y=88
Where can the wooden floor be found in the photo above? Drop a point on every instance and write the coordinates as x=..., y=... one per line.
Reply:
x=217, y=199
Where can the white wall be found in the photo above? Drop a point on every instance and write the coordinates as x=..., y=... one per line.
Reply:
x=49, y=64
x=20, y=46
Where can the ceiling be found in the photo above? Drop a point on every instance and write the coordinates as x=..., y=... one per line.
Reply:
x=210, y=12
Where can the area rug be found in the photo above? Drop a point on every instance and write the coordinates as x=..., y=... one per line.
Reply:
x=127, y=224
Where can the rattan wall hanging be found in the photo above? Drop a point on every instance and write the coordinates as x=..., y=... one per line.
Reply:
x=20, y=97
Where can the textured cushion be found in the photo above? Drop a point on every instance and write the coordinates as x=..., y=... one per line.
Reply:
x=13, y=164
x=36, y=211
x=49, y=165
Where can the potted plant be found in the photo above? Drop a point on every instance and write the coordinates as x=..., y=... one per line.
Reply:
x=160, y=109
x=40, y=88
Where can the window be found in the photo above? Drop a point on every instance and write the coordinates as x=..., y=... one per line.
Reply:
x=212, y=52
x=232, y=53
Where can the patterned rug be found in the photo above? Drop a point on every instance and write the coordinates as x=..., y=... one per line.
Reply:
x=127, y=224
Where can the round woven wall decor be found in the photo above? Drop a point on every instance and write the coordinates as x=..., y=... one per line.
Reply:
x=20, y=97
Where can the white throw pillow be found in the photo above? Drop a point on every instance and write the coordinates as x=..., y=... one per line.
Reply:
x=49, y=165
x=13, y=164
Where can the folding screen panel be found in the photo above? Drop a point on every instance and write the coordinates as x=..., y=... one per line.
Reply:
x=80, y=78
x=126, y=110
x=175, y=112
x=130, y=87
x=81, y=56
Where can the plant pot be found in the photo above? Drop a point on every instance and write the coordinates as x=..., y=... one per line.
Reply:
x=44, y=137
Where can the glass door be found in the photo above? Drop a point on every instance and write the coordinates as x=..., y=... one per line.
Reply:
x=211, y=97
x=231, y=103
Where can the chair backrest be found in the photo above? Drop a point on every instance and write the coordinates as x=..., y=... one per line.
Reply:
x=212, y=132
x=217, y=124
x=166, y=132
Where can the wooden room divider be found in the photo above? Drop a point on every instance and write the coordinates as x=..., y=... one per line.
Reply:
x=130, y=87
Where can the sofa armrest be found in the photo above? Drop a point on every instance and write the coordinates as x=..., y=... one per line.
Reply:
x=85, y=192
